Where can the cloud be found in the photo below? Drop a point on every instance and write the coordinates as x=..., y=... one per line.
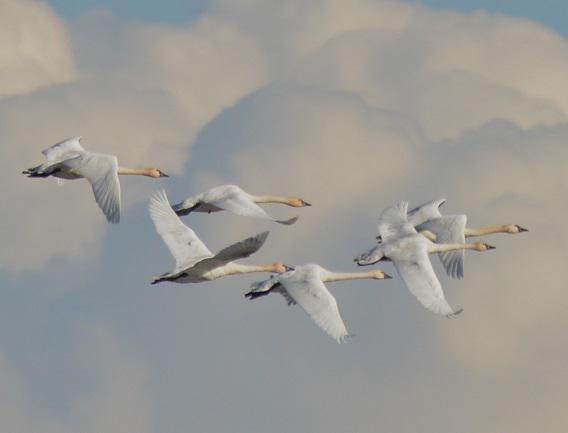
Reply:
x=116, y=401
x=135, y=97
x=35, y=49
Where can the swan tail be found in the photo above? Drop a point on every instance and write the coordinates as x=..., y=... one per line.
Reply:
x=167, y=277
x=182, y=209
x=262, y=288
x=253, y=295
x=37, y=172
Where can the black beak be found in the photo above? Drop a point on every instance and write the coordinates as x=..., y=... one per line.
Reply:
x=289, y=268
x=522, y=229
x=307, y=204
x=387, y=276
x=163, y=174
x=490, y=247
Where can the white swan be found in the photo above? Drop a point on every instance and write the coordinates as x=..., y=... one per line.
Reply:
x=408, y=250
x=304, y=285
x=194, y=262
x=69, y=160
x=233, y=199
x=439, y=228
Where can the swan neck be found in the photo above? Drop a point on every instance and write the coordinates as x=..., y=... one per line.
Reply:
x=273, y=199
x=134, y=171
x=440, y=248
x=342, y=276
x=237, y=268
x=469, y=232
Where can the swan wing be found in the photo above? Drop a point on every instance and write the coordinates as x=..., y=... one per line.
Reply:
x=239, y=250
x=425, y=211
x=310, y=293
x=418, y=275
x=183, y=243
x=64, y=149
x=393, y=223
x=243, y=205
x=449, y=229
x=102, y=173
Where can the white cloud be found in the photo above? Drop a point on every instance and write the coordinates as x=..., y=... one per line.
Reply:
x=116, y=401
x=137, y=98
x=35, y=49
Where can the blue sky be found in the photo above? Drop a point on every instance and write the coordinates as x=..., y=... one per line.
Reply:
x=550, y=12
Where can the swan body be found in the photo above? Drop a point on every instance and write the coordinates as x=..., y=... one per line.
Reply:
x=408, y=250
x=194, y=261
x=233, y=199
x=69, y=160
x=304, y=285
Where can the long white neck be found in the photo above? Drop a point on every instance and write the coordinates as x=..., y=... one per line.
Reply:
x=342, y=276
x=469, y=232
x=439, y=248
x=135, y=171
x=238, y=268
x=273, y=199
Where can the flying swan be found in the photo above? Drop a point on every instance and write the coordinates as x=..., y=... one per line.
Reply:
x=194, y=262
x=233, y=199
x=428, y=220
x=304, y=285
x=69, y=160
x=408, y=250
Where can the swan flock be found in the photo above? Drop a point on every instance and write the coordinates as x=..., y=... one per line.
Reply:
x=405, y=238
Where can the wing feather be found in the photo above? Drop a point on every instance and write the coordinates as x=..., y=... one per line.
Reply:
x=239, y=250
x=102, y=173
x=449, y=229
x=426, y=211
x=183, y=243
x=310, y=293
x=419, y=277
x=393, y=222
x=64, y=149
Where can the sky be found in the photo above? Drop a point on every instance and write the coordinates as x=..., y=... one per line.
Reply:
x=353, y=106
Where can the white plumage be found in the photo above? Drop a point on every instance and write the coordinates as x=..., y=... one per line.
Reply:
x=194, y=261
x=233, y=199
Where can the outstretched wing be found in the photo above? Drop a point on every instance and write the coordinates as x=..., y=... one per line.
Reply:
x=241, y=204
x=306, y=289
x=239, y=250
x=419, y=277
x=64, y=149
x=426, y=211
x=183, y=243
x=449, y=229
x=394, y=224
x=102, y=173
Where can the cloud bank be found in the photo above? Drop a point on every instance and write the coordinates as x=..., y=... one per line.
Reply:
x=353, y=106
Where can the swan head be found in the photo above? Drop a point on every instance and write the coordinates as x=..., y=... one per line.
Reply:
x=515, y=228
x=482, y=246
x=280, y=268
x=380, y=275
x=155, y=172
x=299, y=202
